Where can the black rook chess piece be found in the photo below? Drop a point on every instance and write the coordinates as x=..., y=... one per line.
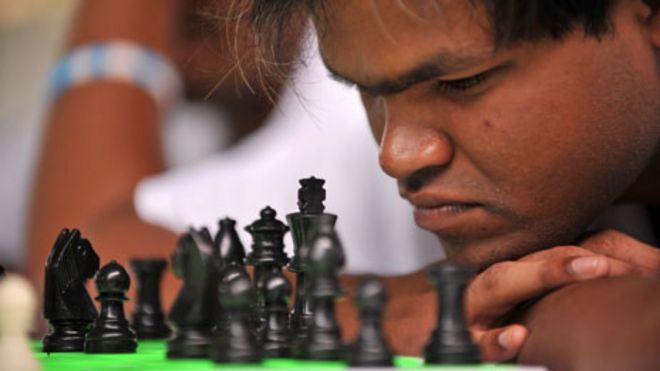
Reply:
x=193, y=313
x=370, y=348
x=148, y=318
x=277, y=338
x=267, y=255
x=234, y=342
x=111, y=333
x=67, y=305
x=303, y=225
x=450, y=342
x=325, y=259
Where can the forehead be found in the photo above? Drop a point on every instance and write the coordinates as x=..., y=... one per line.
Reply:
x=376, y=39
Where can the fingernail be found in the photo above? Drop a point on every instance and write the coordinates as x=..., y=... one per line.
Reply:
x=504, y=339
x=585, y=267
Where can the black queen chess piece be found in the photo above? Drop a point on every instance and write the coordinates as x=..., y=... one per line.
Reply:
x=193, y=313
x=67, y=305
x=111, y=332
x=450, y=342
x=304, y=223
x=267, y=255
x=148, y=319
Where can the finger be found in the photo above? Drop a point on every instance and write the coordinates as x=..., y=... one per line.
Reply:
x=623, y=247
x=506, y=284
x=502, y=344
x=556, y=253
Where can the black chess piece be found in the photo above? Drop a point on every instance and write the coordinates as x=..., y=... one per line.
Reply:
x=193, y=313
x=370, y=348
x=450, y=342
x=2, y=271
x=234, y=341
x=325, y=259
x=111, y=333
x=67, y=305
x=277, y=338
x=227, y=246
x=267, y=255
x=303, y=224
x=148, y=319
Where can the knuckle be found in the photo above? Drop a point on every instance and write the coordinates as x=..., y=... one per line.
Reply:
x=492, y=277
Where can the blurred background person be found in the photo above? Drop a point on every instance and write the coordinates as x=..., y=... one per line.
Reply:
x=132, y=166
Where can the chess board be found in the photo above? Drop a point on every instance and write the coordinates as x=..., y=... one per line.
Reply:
x=151, y=356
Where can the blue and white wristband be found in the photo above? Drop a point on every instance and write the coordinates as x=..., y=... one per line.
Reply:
x=118, y=60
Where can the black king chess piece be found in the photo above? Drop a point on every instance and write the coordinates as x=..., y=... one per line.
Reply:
x=277, y=337
x=111, y=333
x=67, y=305
x=148, y=319
x=234, y=341
x=450, y=342
x=193, y=313
x=370, y=348
x=267, y=255
x=324, y=260
x=303, y=224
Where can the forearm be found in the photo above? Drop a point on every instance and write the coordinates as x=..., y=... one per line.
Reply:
x=608, y=324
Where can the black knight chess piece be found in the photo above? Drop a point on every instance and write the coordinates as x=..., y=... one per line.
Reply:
x=303, y=223
x=193, y=313
x=450, y=342
x=148, y=319
x=370, y=348
x=67, y=305
x=111, y=332
x=234, y=341
x=267, y=255
x=325, y=259
x=277, y=337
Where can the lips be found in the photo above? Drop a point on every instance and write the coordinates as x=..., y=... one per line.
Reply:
x=445, y=214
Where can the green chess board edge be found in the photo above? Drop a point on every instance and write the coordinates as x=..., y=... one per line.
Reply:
x=151, y=356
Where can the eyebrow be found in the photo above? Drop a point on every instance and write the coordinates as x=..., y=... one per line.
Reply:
x=439, y=65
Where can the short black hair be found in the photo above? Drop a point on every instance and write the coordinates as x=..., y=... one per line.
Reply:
x=511, y=21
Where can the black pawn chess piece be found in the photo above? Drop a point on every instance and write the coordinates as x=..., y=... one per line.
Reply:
x=234, y=341
x=111, y=333
x=227, y=246
x=67, y=305
x=193, y=313
x=450, y=342
x=267, y=255
x=277, y=338
x=370, y=348
x=325, y=259
x=148, y=319
x=303, y=223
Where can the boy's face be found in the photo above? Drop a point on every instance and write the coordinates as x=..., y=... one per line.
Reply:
x=531, y=144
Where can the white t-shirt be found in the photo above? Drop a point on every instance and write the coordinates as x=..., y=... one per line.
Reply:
x=319, y=128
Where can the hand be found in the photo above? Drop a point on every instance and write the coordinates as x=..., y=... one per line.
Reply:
x=494, y=293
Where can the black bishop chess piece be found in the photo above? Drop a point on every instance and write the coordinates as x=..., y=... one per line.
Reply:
x=148, y=319
x=303, y=223
x=370, y=348
x=267, y=255
x=450, y=342
x=325, y=259
x=277, y=337
x=193, y=313
x=111, y=333
x=234, y=341
x=67, y=305
x=227, y=246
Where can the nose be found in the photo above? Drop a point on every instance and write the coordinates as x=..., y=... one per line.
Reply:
x=408, y=149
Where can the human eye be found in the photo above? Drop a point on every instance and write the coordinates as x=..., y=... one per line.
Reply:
x=462, y=85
